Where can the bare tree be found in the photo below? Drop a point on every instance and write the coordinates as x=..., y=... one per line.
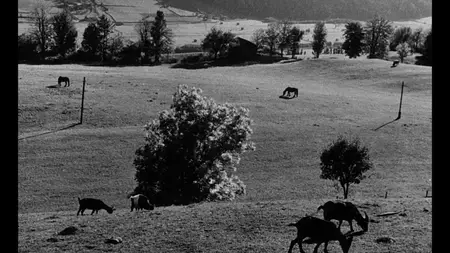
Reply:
x=259, y=38
x=41, y=28
x=272, y=36
x=143, y=28
x=285, y=27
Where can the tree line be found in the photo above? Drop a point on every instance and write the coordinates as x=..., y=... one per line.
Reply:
x=375, y=38
x=55, y=37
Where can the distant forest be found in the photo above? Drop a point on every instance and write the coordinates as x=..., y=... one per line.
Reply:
x=394, y=10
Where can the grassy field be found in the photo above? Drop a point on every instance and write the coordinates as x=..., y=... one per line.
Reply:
x=336, y=96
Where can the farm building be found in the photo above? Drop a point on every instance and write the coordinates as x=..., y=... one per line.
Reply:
x=242, y=49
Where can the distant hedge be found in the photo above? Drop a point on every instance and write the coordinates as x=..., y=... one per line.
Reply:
x=188, y=48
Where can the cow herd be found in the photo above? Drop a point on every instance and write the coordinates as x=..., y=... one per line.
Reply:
x=310, y=229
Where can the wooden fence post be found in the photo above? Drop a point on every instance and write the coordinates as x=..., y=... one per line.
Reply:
x=401, y=98
x=82, y=101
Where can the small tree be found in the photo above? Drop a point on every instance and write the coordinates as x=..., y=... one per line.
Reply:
x=345, y=162
x=115, y=46
x=295, y=36
x=217, y=41
x=427, y=50
x=26, y=47
x=64, y=33
x=162, y=36
x=105, y=28
x=272, y=36
x=91, y=40
x=143, y=28
x=130, y=53
x=192, y=150
x=285, y=27
x=403, y=50
x=401, y=35
x=259, y=38
x=41, y=27
x=354, y=36
x=416, y=40
x=319, y=38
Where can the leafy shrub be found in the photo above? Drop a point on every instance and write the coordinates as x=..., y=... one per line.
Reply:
x=130, y=53
x=194, y=58
x=27, y=47
x=171, y=60
x=191, y=151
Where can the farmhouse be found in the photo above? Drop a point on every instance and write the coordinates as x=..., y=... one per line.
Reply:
x=242, y=49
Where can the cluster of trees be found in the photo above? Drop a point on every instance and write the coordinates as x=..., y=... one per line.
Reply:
x=280, y=35
x=56, y=36
x=378, y=36
x=375, y=39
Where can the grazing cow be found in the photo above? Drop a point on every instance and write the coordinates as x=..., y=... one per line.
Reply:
x=319, y=231
x=395, y=63
x=344, y=211
x=139, y=201
x=65, y=80
x=290, y=90
x=93, y=204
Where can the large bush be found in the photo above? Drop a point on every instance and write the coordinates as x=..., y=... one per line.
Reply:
x=191, y=151
x=27, y=47
x=217, y=42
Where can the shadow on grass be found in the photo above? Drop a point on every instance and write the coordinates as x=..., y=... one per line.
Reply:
x=26, y=136
x=285, y=97
x=385, y=124
x=53, y=86
x=203, y=63
x=422, y=60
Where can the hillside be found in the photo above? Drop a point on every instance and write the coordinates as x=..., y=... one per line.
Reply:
x=299, y=10
x=336, y=96
x=193, y=10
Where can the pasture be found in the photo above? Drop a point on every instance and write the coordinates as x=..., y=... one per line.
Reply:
x=336, y=96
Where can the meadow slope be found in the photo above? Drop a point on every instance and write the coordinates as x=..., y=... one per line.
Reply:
x=336, y=96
